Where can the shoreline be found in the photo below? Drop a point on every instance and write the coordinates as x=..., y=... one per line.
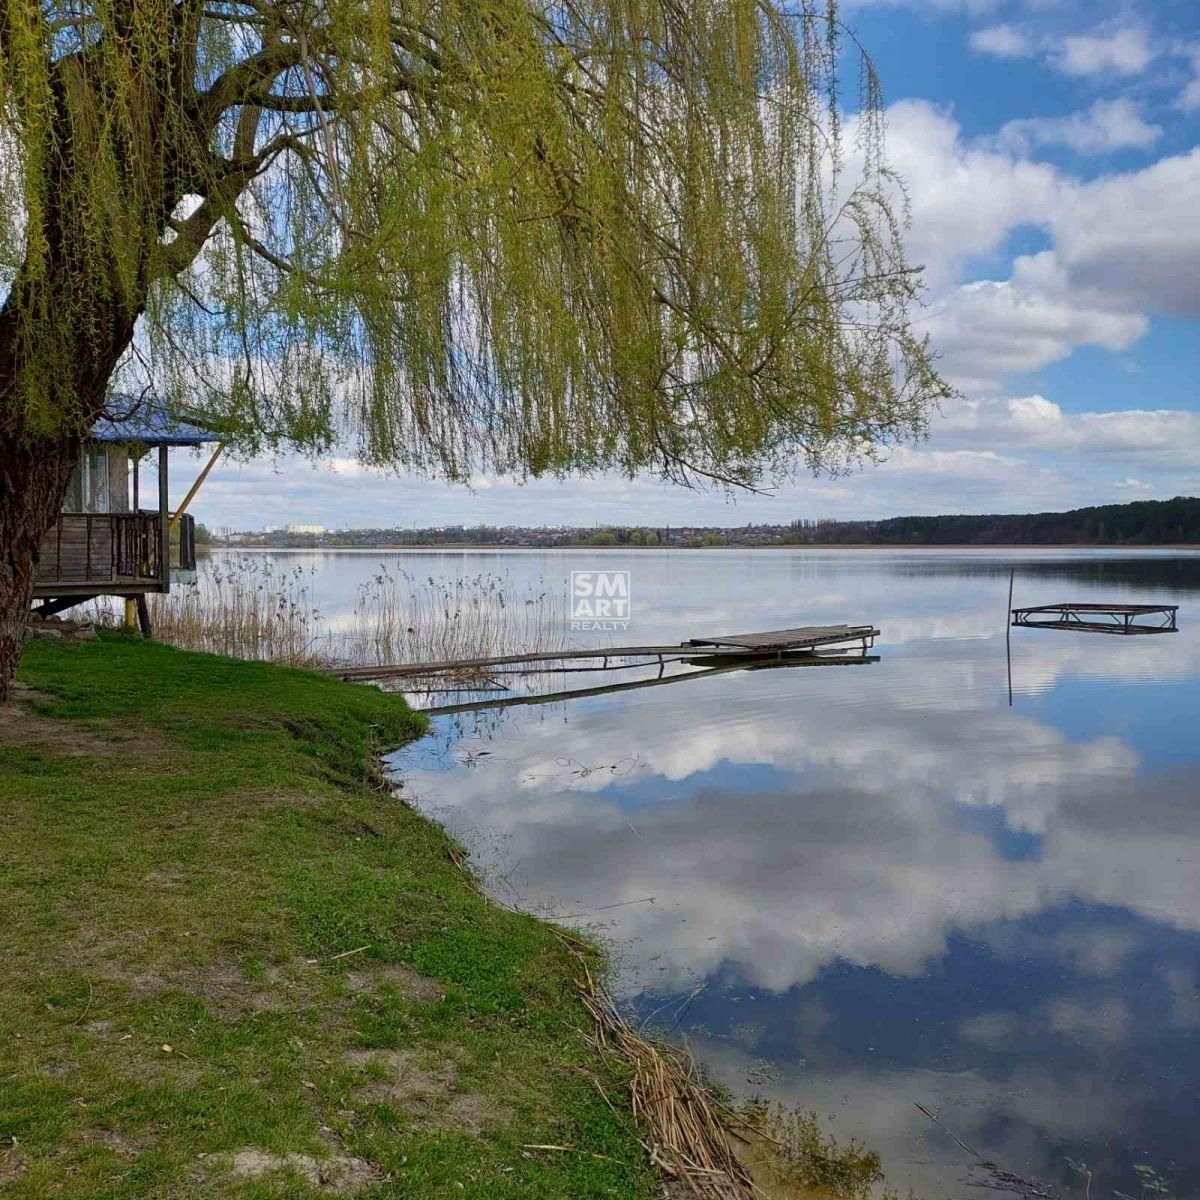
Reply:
x=236, y=961
x=236, y=954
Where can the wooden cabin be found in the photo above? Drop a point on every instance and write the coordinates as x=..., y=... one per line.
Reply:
x=108, y=541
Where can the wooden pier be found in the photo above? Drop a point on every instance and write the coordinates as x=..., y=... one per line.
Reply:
x=718, y=664
x=1099, y=618
x=737, y=647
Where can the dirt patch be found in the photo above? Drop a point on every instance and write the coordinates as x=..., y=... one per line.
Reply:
x=21, y=728
x=473, y=1112
x=426, y=1090
x=12, y=1166
x=339, y=1174
x=404, y=1077
x=118, y=1143
x=221, y=984
x=58, y=1068
x=226, y=990
x=412, y=985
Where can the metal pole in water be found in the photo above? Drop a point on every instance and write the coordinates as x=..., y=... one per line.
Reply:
x=1008, y=632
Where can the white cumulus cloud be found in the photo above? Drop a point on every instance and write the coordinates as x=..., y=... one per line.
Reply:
x=1003, y=41
x=1124, y=50
x=1106, y=126
x=1135, y=238
x=964, y=197
x=1116, y=48
x=991, y=329
x=1149, y=439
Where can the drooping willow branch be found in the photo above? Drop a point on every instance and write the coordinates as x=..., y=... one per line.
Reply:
x=516, y=235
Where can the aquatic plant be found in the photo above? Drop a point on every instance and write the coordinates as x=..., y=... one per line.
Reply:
x=249, y=607
x=1152, y=1183
x=245, y=608
x=792, y=1156
x=400, y=618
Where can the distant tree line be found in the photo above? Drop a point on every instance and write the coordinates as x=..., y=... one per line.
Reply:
x=1140, y=523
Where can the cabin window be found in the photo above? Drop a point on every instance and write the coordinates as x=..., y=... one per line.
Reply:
x=100, y=482
x=88, y=489
x=118, y=479
x=95, y=480
x=73, y=501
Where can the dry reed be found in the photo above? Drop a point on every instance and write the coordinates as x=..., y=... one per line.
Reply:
x=249, y=608
x=714, y=1151
x=686, y=1139
x=244, y=609
x=399, y=618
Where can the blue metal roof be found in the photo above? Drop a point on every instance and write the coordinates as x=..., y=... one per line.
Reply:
x=152, y=424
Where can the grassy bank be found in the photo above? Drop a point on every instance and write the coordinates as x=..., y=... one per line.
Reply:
x=233, y=965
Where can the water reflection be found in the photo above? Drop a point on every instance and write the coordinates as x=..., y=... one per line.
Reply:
x=864, y=890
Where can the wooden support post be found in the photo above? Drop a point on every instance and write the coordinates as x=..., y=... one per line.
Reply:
x=131, y=614
x=143, y=616
x=196, y=486
x=164, y=566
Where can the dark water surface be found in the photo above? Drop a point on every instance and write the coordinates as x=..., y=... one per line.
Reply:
x=863, y=890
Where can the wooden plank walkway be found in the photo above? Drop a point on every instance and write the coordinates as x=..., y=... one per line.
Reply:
x=1098, y=618
x=803, y=638
x=743, y=646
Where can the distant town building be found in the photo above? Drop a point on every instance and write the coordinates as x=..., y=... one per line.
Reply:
x=314, y=529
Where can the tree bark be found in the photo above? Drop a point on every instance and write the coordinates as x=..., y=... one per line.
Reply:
x=91, y=324
x=35, y=468
x=33, y=480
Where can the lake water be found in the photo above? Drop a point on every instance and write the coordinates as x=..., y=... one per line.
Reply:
x=860, y=890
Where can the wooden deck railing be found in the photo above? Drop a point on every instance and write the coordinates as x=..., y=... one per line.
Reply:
x=85, y=549
x=136, y=546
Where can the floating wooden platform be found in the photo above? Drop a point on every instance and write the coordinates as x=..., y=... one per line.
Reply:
x=1099, y=618
x=740, y=646
x=806, y=637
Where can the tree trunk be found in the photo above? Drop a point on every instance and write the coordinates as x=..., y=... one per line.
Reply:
x=70, y=317
x=33, y=480
x=36, y=467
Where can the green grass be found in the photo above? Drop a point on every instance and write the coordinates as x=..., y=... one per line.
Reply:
x=182, y=834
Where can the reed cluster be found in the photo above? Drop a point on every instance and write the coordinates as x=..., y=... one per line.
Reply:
x=399, y=618
x=244, y=608
x=248, y=607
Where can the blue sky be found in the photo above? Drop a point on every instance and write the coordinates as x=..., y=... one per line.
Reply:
x=1051, y=151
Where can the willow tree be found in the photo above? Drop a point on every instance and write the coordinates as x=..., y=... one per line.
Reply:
x=521, y=236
